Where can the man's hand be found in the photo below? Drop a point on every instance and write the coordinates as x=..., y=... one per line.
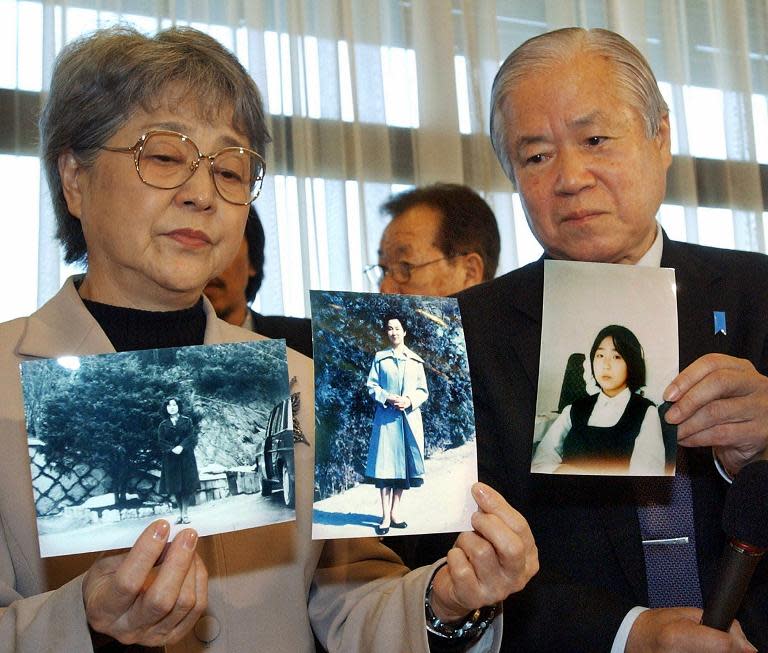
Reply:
x=135, y=600
x=177, y=449
x=485, y=566
x=677, y=630
x=722, y=402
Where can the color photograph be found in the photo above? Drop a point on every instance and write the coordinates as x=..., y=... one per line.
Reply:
x=200, y=436
x=395, y=436
x=608, y=349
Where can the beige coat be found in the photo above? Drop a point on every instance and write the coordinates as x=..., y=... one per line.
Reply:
x=266, y=584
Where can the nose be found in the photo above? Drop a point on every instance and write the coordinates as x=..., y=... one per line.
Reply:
x=199, y=191
x=573, y=174
x=389, y=286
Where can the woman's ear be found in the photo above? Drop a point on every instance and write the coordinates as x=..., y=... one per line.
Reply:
x=473, y=269
x=69, y=171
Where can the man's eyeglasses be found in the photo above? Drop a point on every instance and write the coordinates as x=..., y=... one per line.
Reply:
x=401, y=271
x=168, y=159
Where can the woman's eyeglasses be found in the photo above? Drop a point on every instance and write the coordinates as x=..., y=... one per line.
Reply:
x=168, y=159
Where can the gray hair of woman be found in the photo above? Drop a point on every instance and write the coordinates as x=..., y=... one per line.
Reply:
x=634, y=76
x=101, y=79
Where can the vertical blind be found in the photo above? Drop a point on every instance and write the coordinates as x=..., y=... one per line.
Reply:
x=368, y=97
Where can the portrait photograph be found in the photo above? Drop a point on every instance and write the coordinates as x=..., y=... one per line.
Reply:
x=194, y=435
x=609, y=348
x=395, y=435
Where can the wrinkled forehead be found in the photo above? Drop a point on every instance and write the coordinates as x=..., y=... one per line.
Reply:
x=563, y=83
x=215, y=109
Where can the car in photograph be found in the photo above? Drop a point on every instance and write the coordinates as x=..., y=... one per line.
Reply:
x=274, y=457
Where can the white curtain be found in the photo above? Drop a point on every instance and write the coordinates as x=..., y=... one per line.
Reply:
x=366, y=97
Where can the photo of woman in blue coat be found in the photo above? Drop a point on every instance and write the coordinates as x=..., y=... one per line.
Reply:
x=398, y=385
x=177, y=438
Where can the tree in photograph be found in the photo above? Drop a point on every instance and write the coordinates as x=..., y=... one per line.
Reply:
x=107, y=415
x=348, y=331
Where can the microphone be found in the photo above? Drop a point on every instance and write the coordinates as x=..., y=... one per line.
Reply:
x=745, y=522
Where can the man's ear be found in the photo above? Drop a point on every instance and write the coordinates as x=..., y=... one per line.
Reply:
x=69, y=171
x=664, y=141
x=473, y=269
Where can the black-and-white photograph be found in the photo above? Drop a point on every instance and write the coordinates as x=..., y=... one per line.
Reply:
x=395, y=437
x=609, y=348
x=200, y=436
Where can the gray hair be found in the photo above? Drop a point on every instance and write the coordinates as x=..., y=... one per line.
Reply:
x=633, y=76
x=101, y=79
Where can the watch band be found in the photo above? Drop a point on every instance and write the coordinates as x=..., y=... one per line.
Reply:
x=472, y=626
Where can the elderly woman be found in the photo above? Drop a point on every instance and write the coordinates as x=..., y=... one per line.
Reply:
x=153, y=152
x=398, y=385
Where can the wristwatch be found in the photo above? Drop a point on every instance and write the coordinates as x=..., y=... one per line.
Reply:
x=472, y=626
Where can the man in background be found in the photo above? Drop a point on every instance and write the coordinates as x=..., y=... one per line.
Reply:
x=442, y=239
x=580, y=127
x=235, y=289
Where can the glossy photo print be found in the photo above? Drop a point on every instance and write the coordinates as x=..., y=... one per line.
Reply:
x=201, y=436
x=609, y=348
x=395, y=437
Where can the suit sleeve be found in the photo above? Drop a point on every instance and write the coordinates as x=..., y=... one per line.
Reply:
x=45, y=623
x=165, y=443
x=421, y=393
x=377, y=393
x=364, y=599
x=190, y=439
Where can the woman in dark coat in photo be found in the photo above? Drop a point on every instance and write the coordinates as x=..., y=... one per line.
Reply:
x=177, y=437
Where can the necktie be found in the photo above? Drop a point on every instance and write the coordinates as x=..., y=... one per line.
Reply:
x=665, y=511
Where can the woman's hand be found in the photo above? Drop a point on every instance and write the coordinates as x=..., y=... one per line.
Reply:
x=145, y=597
x=399, y=402
x=488, y=564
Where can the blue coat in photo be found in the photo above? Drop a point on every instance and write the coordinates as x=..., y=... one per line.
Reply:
x=396, y=432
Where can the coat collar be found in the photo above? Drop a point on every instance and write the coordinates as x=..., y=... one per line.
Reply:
x=388, y=353
x=64, y=325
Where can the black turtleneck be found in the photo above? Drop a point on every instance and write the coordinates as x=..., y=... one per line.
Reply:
x=131, y=329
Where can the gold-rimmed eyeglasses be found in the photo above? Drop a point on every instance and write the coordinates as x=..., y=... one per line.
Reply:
x=401, y=271
x=168, y=159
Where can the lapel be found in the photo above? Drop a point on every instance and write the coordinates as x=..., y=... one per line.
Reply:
x=697, y=297
x=623, y=530
x=699, y=294
x=524, y=298
x=701, y=289
x=64, y=326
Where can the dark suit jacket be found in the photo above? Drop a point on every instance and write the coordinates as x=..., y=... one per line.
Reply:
x=297, y=331
x=586, y=528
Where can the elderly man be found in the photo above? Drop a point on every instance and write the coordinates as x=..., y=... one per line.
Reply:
x=235, y=288
x=580, y=127
x=442, y=239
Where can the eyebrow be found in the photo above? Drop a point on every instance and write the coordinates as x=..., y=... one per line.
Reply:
x=580, y=121
x=401, y=250
x=223, y=141
x=589, y=119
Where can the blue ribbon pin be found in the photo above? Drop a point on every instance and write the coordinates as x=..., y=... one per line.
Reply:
x=719, y=322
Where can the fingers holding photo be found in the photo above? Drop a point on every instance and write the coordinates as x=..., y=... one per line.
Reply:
x=721, y=401
x=150, y=595
x=488, y=564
